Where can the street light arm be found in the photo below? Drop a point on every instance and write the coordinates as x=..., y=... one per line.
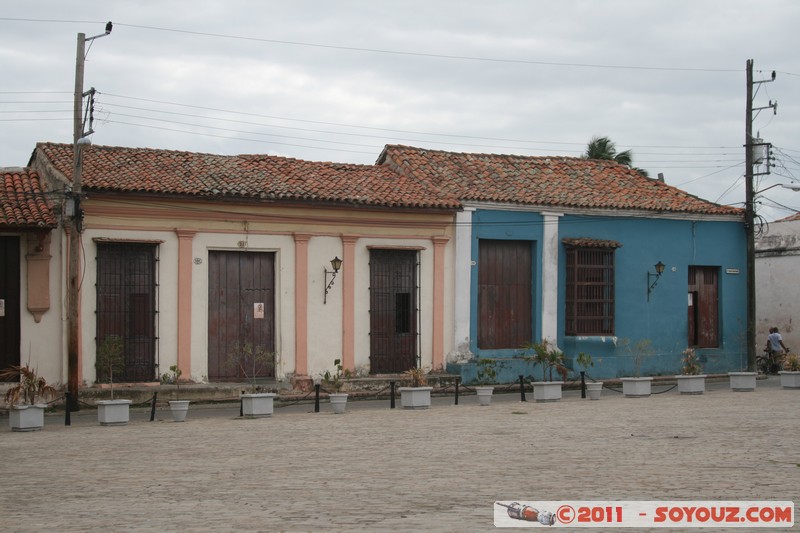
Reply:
x=791, y=186
x=109, y=26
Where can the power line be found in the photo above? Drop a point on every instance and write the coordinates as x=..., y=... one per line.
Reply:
x=386, y=51
x=237, y=138
x=249, y=123
x=390, y=130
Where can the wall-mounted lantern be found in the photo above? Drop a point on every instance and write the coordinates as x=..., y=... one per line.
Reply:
x=650, y=286
x=336, y=264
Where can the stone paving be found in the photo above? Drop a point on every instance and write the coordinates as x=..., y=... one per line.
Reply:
x=376, y=469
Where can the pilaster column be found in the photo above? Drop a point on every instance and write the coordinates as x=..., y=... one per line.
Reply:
x=437, y=336
x=463, y=282
x=348, y=301
x=185, y=262
x=550, y=276
x=301, y=303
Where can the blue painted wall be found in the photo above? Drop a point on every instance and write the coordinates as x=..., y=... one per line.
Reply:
x=662, y=320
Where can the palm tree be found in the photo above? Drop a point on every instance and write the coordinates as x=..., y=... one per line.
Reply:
x=604, y=148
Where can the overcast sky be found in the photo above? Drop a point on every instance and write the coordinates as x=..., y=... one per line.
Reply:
x=337, y=80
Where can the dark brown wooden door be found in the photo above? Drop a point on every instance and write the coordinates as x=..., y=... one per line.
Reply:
x=241, y=287
x=126, y=305
x=393, y=311
x=9, y=302
x=505, y=294
x=703, y=317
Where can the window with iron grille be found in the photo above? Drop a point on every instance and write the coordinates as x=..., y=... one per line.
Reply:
x=590, y=291
x=127, y=299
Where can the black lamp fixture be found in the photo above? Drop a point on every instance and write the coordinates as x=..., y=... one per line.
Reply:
x=336, y=264
x=650, y=286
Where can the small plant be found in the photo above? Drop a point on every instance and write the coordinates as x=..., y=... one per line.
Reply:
x=337, y=378
x=250, y=361
x=584, y=360
x=173, y=377
x=639, y=351
x=487, y=371
x=110, y=360
x=31, y=386
x=546, y=357
x=691, y=363
x=791, y=363
x=416, y=376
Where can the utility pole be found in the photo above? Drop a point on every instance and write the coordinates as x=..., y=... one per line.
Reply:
x=749, y=222
x=74, y=227
x=749, y=211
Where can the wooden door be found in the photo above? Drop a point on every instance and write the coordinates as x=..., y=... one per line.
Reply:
x=9, y=302
x=703, y=302
x=126, y=305
x=393, y=311
x=505, y=294
x=241, y=311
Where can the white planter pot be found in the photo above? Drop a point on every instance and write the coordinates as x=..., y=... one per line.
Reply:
x=180, y=409
x=415, y=397
x=113, y=412
x=636, y=387
x=258, y=405
x=26, y=417
x=790, y=379
x=695, y=384
x=484, y=395
x=338, y=402
x=743, y=381
x=593, y=389
x=547, y=391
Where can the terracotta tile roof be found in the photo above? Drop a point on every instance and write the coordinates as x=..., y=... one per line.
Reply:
x=265, y=177
x=544, y=181
x=790, y=218
x=22, y=200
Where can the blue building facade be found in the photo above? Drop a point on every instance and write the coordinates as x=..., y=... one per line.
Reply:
x=564, y=250
x=661, y=316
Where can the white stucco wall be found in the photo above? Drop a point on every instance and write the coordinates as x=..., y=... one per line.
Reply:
x=42, y=343
x=777, y=289
x=167, y=276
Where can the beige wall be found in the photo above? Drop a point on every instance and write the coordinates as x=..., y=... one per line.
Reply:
x=221, y=226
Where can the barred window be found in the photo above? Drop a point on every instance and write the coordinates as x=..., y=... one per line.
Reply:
x=590, y=291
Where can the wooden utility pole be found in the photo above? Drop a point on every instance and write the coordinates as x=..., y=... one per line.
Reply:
x=750, y=207
x=74, y=228
x=749, y=222
x=74, y=249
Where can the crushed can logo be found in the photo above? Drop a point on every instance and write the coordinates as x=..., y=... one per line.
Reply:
x=518, y=511
x=679, y=514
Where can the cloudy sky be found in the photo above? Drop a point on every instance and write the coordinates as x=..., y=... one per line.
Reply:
x=337, y=80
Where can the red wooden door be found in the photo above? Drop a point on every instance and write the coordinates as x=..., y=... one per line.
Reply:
x=393, y=311
x=505, y=294
x=241, y=311
x=9, y=302
x=703, y=325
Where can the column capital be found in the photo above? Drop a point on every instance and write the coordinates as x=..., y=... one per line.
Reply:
x=302, y=237
x=184, y=233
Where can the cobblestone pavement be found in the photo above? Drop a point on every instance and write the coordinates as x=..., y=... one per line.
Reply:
x=376, y=469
